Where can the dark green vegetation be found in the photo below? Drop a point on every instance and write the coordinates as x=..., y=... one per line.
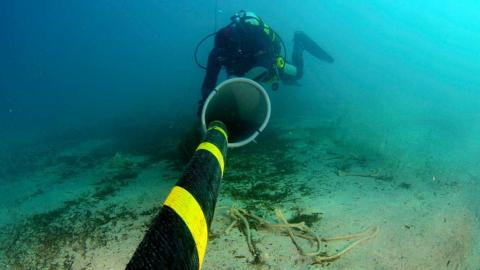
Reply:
x=265, y=173
x=299, y=215
x=54, y=239
x=44, y=240
x=51, y=240
x=405, y=185
x=257, y=174
x=47, y=239
x=122, y=171
x=261, y=176
x=285, y=166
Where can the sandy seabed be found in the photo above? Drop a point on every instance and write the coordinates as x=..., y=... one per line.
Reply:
x=89, y=209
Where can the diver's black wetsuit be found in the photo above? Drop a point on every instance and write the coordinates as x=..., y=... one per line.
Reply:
x=240, y=48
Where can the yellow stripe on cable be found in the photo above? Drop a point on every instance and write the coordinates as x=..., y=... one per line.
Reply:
x=221, y=130
x=213, y=149
x=187, y=207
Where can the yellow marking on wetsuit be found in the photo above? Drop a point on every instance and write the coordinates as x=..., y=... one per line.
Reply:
x=221, y=130
x=187, y=207
x=213, y=149
x=280, y=62
x=266, y=29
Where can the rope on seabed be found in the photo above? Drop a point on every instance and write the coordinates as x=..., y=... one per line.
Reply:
x=294, y=230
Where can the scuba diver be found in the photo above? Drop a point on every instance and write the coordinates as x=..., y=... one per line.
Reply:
x=248, y=47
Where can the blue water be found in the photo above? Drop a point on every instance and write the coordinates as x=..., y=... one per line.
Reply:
x=405, y=82
x=76, y=62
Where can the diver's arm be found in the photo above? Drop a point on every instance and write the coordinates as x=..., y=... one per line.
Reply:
x=213, y=69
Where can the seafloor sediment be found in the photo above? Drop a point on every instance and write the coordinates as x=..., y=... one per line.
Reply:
x=88, y=205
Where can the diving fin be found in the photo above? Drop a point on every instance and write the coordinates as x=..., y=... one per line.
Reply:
x=305, y=42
